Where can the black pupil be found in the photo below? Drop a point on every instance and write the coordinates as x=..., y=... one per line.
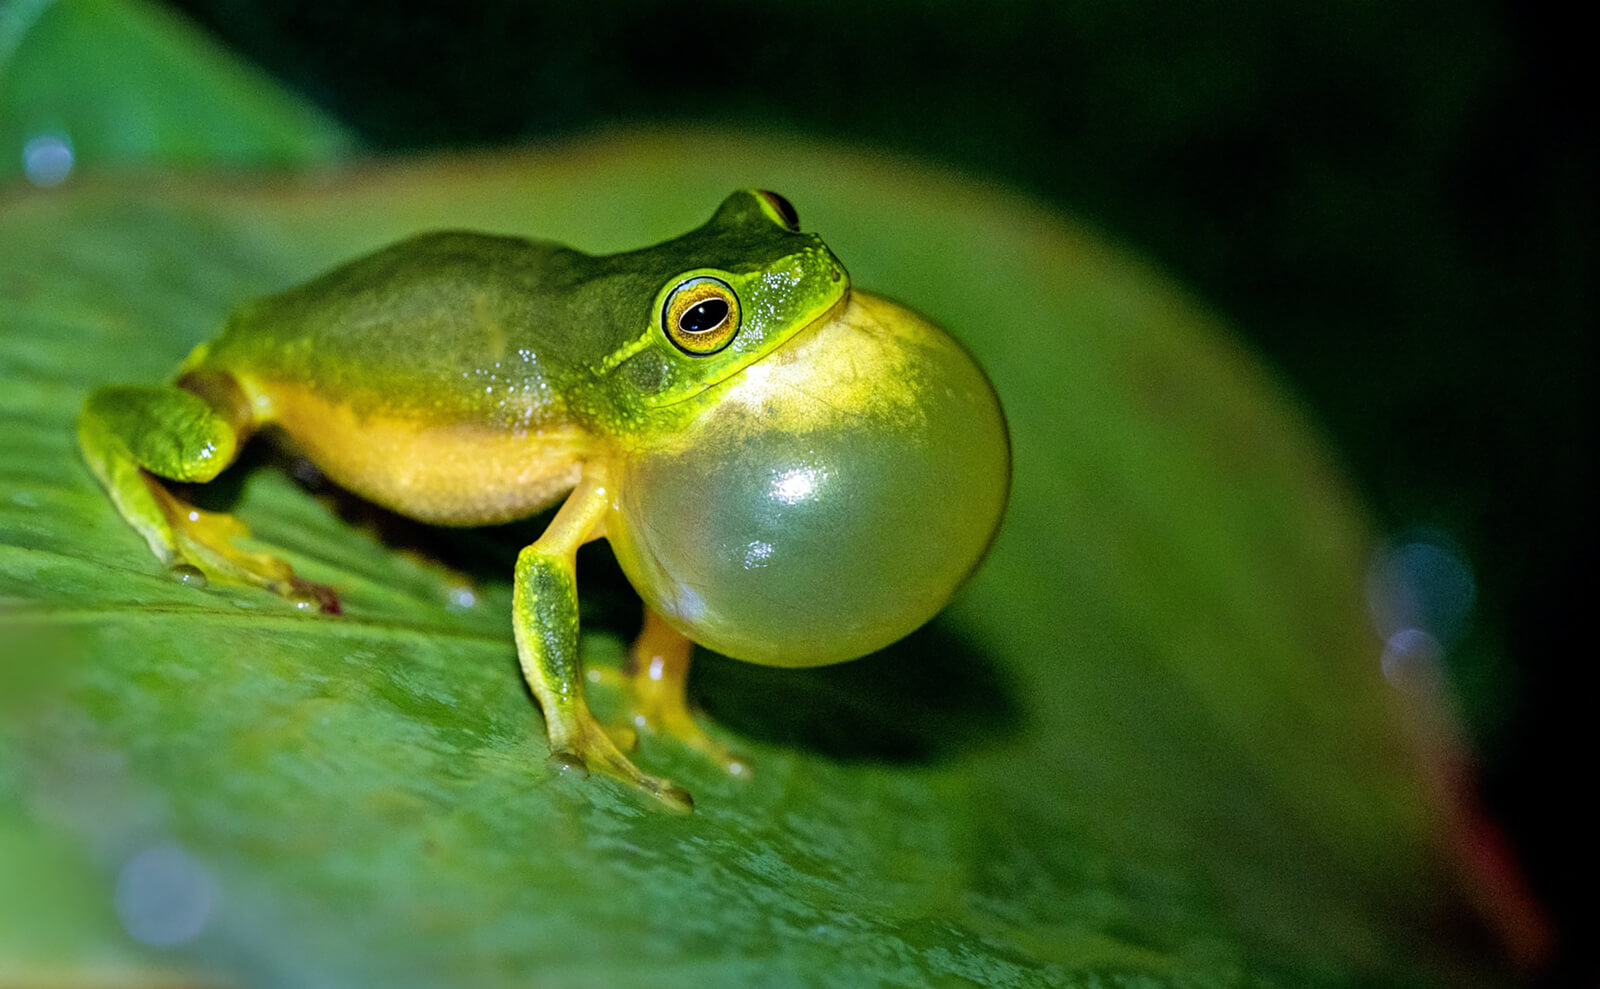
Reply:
x=704, y=317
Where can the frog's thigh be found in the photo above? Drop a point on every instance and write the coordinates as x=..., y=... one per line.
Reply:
x=545, y=617
x=130, y=436
x=657, y=678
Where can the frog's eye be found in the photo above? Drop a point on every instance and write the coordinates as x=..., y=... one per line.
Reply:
x=783, y=211
x=701, y=315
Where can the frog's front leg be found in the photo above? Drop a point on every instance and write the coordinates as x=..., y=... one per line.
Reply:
x=545, y=617
x=189, y=431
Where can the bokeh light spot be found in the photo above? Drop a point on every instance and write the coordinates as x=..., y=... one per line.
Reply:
x=1422, y=583
x=1411, y=660
x=164, y=897
x=47, y=159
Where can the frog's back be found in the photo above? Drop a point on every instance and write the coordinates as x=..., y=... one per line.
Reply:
x=430, y=376
x=453, y=323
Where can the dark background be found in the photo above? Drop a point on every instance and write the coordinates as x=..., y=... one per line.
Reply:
x=1390, y=200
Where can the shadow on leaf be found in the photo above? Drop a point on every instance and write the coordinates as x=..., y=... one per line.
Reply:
x=928, y=697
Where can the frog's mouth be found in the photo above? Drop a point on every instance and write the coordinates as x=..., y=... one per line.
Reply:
x=827, y=316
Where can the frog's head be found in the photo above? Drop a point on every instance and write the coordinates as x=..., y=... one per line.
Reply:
x=719, y=298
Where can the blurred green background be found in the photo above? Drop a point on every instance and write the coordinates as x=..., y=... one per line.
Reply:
x=1391, y=201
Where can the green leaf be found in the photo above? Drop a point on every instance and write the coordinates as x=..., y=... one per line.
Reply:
x=1149, y=745
x=91, y=82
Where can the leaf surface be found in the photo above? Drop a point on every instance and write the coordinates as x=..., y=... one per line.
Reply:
x=1149, y=745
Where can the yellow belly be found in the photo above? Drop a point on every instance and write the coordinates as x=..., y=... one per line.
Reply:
x=451, y=474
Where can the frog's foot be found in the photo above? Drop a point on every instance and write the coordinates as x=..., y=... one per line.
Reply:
x=656, y=679
x=207, y=541
x=132, y=437
x=586, y=747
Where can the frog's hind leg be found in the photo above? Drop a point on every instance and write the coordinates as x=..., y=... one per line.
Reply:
x=656, y=680
x=132, y=436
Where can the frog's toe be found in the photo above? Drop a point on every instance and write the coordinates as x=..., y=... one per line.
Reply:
x=673, y=796
x=666, y=792
x=590, y=749
x=312, y=594
x=670, y=794
x=207, y=543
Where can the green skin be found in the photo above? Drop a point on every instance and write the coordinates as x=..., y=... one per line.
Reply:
x=464, y=379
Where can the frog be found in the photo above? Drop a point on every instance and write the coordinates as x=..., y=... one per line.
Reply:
x=790, y=471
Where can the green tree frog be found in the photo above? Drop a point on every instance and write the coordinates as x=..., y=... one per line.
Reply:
x=790, y=473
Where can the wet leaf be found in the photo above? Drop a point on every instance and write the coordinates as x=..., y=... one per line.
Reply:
x=1150, y=740
x=1149, y=745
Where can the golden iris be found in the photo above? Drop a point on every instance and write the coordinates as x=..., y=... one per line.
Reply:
x=701, y=315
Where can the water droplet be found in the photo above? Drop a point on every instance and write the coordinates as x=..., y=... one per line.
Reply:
x=184, y=573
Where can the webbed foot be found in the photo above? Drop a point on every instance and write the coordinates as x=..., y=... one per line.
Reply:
x=590, y=749
x=207, y=541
